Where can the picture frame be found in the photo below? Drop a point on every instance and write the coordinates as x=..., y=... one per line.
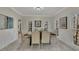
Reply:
x=63, y=22
x=37, y=23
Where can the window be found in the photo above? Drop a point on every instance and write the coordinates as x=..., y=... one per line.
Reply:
x=6, y=22
x=9, y=22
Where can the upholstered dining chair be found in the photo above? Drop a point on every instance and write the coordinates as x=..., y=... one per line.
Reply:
x=35, y=38
x=45, y=37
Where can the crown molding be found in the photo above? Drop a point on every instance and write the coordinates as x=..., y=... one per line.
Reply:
x=19, y=13
x=39, y=15
x=60, y=10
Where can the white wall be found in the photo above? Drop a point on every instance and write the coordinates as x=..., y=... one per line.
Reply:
x=2, y=22
x=9, y=35
x=26, y=19
x=66, y=35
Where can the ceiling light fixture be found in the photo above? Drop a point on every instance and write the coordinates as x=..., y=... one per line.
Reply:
x=38, y=8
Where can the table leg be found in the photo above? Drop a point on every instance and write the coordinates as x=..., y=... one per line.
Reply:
x=30, y=41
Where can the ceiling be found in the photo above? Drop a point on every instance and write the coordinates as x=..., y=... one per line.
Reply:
x=47, y=11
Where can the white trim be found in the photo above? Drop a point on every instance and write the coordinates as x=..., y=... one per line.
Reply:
x=16, y=11
x=39, y=15
x=60, y=10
